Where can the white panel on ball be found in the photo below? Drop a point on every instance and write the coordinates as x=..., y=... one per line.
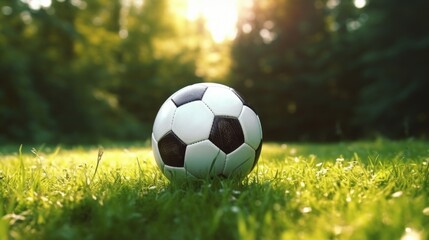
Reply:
x=251, y=127
x=163, y=119
x=223, y=101
x=203, y=159
x=240, y=161
x=174, y=173
x=156, y=153
x=219, y=165
x=192, y=122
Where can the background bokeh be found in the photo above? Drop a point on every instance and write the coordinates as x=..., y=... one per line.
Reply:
x=315, y=70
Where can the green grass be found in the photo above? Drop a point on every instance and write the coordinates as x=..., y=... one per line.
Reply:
x=357, y=190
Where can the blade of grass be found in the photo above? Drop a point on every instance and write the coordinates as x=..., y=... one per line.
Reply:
x=99, y=157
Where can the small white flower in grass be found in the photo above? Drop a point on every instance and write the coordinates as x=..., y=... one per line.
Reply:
x=236, y=192
x=306, y=210
x=348, y=198
x=321, y=172
x=319, y=164
x=338, y=230
x=397, y=194
x=339, y=160
x=13, y=218
x=349, y=167
x=62, y=194
x=235, y=209
x=411, y=234
x=426, y=211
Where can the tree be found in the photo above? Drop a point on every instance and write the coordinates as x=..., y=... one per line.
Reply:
x=154, y=61
x=84, y=71
x=280, y=54
x=396, y=43
x=23, y=109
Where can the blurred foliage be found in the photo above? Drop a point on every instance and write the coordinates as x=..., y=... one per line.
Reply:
x=83, y=71
x=328, y=70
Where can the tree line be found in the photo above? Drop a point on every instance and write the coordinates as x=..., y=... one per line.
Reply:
x=334, y=70
x=82, y=71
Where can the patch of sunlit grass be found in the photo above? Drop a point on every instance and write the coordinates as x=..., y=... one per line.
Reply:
x=360, y=190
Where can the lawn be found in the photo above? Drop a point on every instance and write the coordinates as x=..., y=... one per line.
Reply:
x=353, y=190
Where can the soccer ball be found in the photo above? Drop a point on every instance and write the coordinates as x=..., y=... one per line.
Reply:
x=206, y=130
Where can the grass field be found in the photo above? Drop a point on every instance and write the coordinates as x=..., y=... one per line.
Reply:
x=356, y=190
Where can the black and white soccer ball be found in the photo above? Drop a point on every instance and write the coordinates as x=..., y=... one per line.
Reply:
x=206, y=130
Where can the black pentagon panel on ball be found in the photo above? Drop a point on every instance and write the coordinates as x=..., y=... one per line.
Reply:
x=172, y=150
x=189, y=94
x=226, y=133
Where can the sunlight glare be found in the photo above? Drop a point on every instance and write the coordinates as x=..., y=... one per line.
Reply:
x=38, y=4
x=220, y=16
x=359, y=3
x=411, y=234
x=331, y=4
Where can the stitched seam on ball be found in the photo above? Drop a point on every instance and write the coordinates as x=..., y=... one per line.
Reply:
x=174, y=116
x=211, y=110
x=241, y=112
x=199, y=142
x=214, y=116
